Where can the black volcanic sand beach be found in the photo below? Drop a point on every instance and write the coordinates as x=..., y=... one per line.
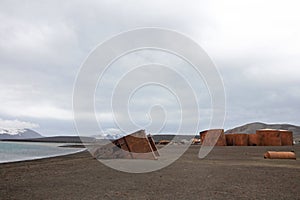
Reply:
x=226, y=173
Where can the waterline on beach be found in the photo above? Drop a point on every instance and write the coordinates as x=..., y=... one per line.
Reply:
x=22, y=151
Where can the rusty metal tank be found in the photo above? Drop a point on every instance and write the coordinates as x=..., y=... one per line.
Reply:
x=213, y=137
x=254, y=140
x=286, y=137
x=237, y=139
x=240, y=140
x=269, y=137
x=229, y=139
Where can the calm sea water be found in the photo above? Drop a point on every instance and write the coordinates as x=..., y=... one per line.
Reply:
x=19, y=151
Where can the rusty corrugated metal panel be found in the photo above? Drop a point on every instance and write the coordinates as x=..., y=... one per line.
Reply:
x=254, y=140
x=279, y=155
x=135, y=145
x=286, y=138
x=213, y=137
x=269, y=137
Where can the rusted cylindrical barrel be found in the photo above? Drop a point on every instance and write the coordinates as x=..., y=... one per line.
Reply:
x=279, y=155
x=286, y=138
x=213, y=137
x=269, y=137
x=254, y=140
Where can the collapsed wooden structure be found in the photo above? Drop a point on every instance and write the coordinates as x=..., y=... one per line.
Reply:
x=262, y=137
x=134, y=146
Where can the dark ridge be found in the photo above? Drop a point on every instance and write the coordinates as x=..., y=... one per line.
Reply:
x=56, y=139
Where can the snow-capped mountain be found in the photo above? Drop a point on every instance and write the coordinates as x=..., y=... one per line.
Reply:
x=6, y=133
x=108, y=136
x=113, y=137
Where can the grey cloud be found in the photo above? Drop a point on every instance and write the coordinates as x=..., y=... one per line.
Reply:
x=42, y=45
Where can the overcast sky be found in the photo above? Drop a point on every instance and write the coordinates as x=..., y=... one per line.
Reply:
x=254, y=44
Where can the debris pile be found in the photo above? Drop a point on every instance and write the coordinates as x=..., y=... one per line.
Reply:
x=134, y=146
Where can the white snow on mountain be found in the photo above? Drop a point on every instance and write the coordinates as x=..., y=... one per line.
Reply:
x=16, y=129
x=12, y=131
x=18, y=134
x=109, y=134
x=15, y=126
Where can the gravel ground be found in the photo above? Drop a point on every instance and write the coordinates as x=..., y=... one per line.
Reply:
x=226, y=173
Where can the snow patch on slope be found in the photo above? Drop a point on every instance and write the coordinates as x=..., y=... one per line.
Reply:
x=15, y=127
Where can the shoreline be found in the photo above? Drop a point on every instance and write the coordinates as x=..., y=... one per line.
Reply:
x=32, y=157
x=41, y=158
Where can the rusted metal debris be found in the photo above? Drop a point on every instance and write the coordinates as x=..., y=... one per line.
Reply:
x=134, y=146
x=279, y=155
x=164, y=142
x=196, y=141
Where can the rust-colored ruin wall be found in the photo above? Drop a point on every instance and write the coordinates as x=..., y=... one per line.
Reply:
x=229, y=139
x=213, y=137
x=254, y=140
x=240, y=140
x=286, y=138
x=269, y=137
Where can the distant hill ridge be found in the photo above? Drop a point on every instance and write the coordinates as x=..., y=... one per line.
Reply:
x=56, y=139
x=247, y=128
x=252, y=127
